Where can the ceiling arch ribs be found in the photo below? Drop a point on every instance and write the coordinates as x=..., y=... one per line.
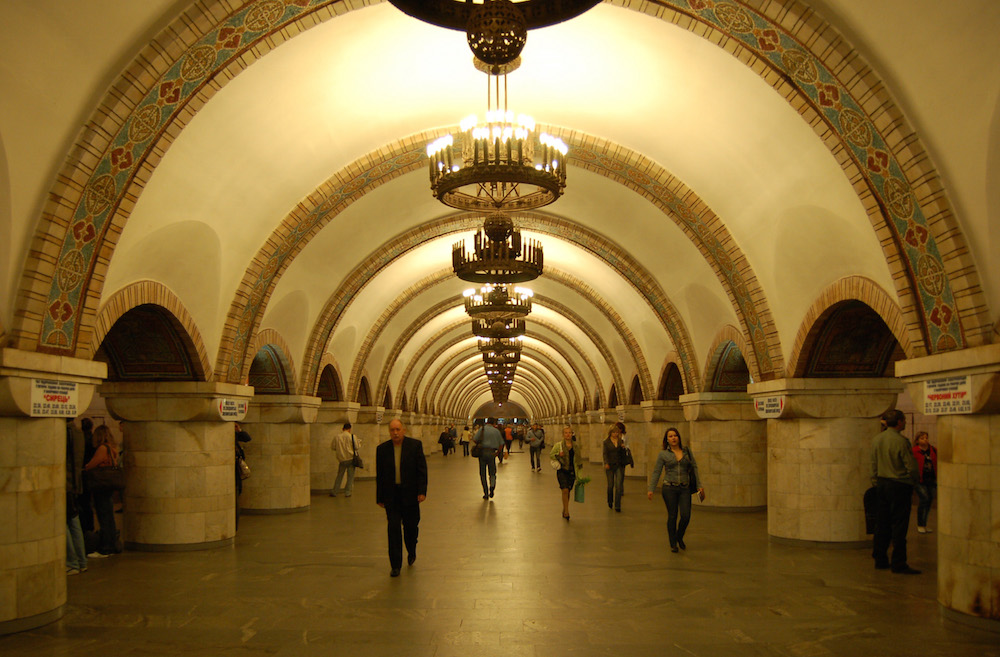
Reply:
x=150, y=292
x=446, y=371
x=200, y=25
x=546, y=391
x=377, y=328
x=473, y=388
x=530, y=333
x=616, y=258
x=419, y=355
x=849, y=107
x=529, y=385
x=853, y=288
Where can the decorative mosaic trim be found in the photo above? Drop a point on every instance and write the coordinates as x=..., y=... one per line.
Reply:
x=865, y=143
x=130, y=146
x=240, y=31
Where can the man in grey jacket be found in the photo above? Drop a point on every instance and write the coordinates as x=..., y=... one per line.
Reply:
x=894, y=472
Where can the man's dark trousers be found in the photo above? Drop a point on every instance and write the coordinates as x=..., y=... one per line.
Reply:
x=894, y=501
x=403, y=522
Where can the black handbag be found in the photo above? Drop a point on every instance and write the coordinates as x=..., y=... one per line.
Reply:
x=626, y=457
x=105, y=478
x=476, y=449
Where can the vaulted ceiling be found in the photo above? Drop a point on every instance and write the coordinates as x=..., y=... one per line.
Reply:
x=259, y=171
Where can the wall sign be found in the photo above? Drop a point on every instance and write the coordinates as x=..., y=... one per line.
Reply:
x=947, y=396
x=769, y=407
x=50, y=398
x=232, y=409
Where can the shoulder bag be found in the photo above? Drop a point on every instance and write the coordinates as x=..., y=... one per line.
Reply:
x=105, y=478
x=358, y=463
x=244, y=469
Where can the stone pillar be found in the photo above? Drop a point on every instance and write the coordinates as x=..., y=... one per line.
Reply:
x=659, y=415
x=180, y=491
x=372, y=426
x=819, y=434
x=278, y=455
x=33, y=480
x=729, y=443
x=962, y=388
x=329, y=423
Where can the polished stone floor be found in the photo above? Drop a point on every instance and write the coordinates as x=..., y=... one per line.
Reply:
x=507, y=577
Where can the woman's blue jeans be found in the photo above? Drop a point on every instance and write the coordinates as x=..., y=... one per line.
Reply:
x=925, y=497
x=678, y=501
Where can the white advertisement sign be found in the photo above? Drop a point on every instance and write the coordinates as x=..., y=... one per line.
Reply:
x=232, y=409
x=947, y=396
x=769, y=407
x=54, y=398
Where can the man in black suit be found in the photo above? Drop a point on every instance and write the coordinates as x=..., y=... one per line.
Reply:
x=400, y=487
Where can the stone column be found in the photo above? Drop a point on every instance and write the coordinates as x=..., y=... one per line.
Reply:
x=819, y=434
x=729, y=443
x=962, y=388
x=278, y=455
x=323, y=461
x=372, y=426
x=179, y=458
x=659, y=416
x=37, y=393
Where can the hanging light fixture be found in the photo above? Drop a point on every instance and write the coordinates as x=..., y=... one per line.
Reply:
x=505, y=163
x=500, y=346
x=498, y=329
x=498, y=302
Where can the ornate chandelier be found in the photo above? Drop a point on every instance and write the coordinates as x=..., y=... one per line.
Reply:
x=498, y=329
x=498, y=254
x=493, y=358
x=500, y=346
x=504, y=163
x=498, y=302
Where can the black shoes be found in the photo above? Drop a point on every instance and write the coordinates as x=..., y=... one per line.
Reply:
x=394, y=572
x=681, y=545
x=673, y=548
x=486, y=496
x=906, y=570
x=491, y=492
x=410, y=558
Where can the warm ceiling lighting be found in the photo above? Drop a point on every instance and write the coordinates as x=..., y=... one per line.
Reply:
x=494, y=302
x=498, y=254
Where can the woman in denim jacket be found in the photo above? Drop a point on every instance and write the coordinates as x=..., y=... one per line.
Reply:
x=678, y=466
x=570, y=466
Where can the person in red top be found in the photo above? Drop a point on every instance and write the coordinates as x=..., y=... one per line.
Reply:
x=926, y=456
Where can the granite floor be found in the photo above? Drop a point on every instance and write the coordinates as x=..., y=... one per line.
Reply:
x=506, y=577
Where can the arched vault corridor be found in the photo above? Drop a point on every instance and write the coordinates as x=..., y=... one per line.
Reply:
x=780, y=220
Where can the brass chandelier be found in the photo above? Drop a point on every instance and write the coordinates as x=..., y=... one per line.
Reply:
x=494, y=302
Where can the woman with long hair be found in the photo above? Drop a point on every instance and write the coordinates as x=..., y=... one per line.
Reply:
x=614, y=465
x=680, y=480
x=105, y=455
x=570, y=466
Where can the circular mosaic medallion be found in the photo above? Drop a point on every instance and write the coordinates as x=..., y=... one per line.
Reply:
x=198, y=62
x=930, y=273
x=100, y=194
x=854, y=126
x=898, y=197
x=800, y=66
x=734, y=18
x=407, y=159
x=263, y=15
x=72, y=268
x=685, y=213
x=144, y=123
